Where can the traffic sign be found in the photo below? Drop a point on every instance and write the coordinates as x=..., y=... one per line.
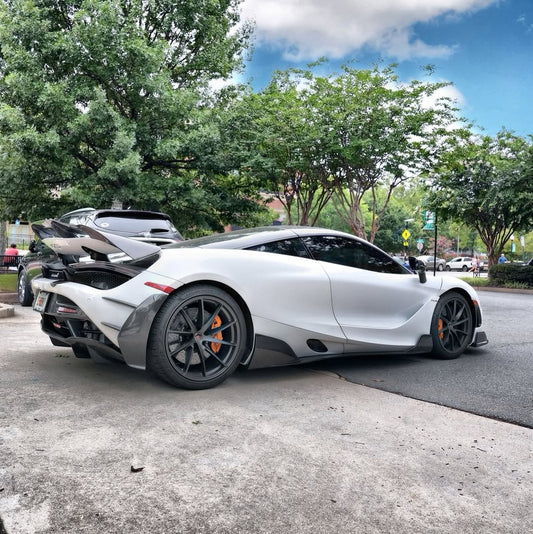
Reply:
x=406, y=234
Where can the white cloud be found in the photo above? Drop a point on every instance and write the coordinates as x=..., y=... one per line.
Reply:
x=308, y=29
x=449, y=91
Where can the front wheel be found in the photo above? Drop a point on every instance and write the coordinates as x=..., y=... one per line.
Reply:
x=452, y=326
x=24, y=294
x=448, y=268
x=198, y=338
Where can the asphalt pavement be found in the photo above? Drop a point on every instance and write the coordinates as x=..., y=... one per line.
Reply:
x=88, y=448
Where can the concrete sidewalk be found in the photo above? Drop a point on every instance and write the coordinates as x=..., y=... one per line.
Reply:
x=90, y=448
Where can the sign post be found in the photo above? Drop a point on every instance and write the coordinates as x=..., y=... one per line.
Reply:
x=406, y=234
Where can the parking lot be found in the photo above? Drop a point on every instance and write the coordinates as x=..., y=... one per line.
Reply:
x=89, y=447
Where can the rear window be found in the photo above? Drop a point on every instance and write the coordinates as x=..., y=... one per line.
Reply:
x=124, y=224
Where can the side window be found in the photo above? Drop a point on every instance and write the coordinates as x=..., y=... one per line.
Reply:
x=288, y=247
x=351, y=253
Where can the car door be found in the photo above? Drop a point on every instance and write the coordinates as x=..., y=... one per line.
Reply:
x=378, y=305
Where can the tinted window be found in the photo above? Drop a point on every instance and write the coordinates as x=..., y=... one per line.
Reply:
x=351, y=253
x=289, y=247
x=135, y=225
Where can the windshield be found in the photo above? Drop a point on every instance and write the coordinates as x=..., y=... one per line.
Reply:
x=136, y=225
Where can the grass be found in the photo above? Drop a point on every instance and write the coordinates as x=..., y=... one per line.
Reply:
x=486, y=282
x=8, y=282
x=477, y=282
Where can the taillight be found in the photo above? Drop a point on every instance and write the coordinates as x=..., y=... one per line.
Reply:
x=160, y=287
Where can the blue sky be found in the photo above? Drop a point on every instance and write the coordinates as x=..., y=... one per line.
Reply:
x=484, y=47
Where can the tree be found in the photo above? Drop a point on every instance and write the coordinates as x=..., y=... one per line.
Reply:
x=280, y=133
x=101, y=101
x=487, y=183
x=341, y=136
x=383, y=135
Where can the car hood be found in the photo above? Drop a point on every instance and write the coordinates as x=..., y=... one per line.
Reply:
x=94, y=242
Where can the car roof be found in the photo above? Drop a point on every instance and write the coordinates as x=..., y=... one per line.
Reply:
x=245, y=238
x=109, y=212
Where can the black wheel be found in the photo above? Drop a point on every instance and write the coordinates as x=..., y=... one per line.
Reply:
x=452, y=326
x=440, y=267
x=464, y=268
x=25, y=296
x=198, y=338
x=448, y=268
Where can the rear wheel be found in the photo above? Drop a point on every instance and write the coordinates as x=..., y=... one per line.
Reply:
x=198, y=338
x=464, y=268
x=24, y=294
x=440, y=267
x=452, y=326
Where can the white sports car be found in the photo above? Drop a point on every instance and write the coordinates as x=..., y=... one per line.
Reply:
x=194, y=311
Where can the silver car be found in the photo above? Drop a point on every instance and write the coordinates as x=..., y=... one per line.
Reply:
x=431, y=263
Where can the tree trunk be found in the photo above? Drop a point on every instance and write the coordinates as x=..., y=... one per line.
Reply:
x=3, y=236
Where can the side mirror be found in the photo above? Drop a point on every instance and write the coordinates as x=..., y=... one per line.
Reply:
x=419, y=268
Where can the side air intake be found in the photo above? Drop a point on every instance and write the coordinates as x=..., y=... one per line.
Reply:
x=316, y=345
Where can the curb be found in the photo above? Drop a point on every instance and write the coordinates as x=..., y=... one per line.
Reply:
x=6, y=304
x=6, y=310
x=8, y=298
x=504, y=290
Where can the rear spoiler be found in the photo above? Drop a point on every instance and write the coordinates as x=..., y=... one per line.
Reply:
x=82, y=240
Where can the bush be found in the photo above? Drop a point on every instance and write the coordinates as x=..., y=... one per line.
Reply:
x=511, y=275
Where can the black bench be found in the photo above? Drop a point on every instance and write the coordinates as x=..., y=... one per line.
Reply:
x=9, y=263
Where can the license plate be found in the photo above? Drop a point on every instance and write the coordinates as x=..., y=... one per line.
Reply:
x=40, y=302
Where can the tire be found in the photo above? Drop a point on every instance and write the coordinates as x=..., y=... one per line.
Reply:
x=452, y=326
x=464, y=268
x=198, y=338
x=440, y=267
x=24, y=293
x=448, y=268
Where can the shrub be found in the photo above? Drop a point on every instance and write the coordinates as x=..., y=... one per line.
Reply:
x=511, y=275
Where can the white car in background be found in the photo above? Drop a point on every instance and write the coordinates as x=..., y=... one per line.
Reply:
x=461, y=263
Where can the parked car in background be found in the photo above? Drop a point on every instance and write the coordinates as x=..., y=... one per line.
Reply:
x=461, y=263
x=149, y=226
x=431, y=263
x=153, y=227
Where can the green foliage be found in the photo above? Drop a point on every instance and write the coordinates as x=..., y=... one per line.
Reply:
x=486, y=183
x=511, y=275
x=102, y=100
x=343, y=137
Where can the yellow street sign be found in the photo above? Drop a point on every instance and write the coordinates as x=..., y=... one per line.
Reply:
x=406, y=234
x=406, y=243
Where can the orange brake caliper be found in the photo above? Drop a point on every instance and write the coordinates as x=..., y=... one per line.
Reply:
x=215, y=347
x=441, y=329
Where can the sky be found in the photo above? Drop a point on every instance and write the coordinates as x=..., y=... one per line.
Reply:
x=483, y=47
